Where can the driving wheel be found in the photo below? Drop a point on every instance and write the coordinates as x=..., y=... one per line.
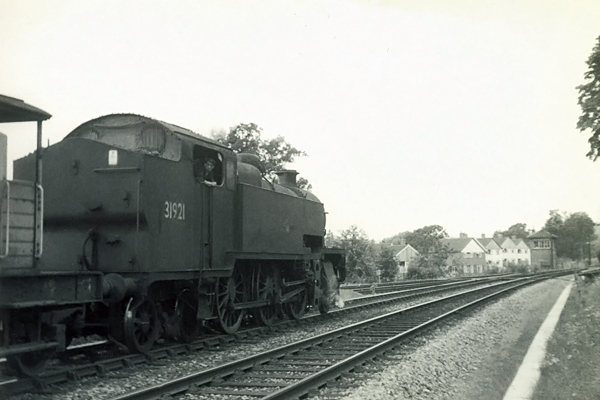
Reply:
x=141, y=324
x=296, y=308
x=231, y=291
x=265, y=288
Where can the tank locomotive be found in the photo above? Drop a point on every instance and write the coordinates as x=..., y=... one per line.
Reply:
x=128, y=238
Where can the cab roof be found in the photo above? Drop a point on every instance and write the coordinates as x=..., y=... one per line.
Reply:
x=121, y=120
x=16, y=110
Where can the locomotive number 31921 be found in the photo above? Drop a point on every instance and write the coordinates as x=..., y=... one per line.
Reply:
x=174, y=210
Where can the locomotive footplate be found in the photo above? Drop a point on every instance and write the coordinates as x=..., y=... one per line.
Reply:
x=50, y=288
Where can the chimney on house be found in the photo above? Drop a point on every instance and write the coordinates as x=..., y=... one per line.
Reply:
x=402, y=242
x=464, y=235
x=483, y=235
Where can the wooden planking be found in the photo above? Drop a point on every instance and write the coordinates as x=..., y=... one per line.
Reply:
x=20, y=206
x=18, y=249
x=21, y=234
x=22, y=190
x=19, y=220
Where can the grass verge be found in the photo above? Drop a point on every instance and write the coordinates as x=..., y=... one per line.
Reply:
x=571, y=369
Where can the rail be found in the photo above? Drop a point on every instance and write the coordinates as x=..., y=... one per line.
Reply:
x=303, y=366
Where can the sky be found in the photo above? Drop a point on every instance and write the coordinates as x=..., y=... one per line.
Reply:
x=459, y=113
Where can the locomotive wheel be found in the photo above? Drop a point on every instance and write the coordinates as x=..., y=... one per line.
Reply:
x=297, y=308
x=31, y=363
x=141, y=325
x=187, y=308
x=230, y=291
x=265, y=288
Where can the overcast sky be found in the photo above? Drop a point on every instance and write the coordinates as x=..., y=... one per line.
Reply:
x=413, y=113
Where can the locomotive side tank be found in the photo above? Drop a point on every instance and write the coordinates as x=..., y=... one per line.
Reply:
x=177, y=247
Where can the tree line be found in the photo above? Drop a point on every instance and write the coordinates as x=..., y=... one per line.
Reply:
x=367, y=261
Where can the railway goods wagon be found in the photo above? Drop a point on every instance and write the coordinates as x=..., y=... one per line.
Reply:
x=143, y=241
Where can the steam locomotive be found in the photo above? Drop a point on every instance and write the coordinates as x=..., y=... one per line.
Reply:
x=130, y=238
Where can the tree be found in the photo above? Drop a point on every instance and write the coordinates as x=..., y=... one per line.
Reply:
x=555, y=223
x=589, y=101
x=273, y=153
x=360, y=258
x=432, y=252
x=426, y=239
x=574, y=233
x=387, y=264
x=518, y=230
x=577, y=233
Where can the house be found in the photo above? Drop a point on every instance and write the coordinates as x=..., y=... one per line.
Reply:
x=543, y=249
x=514, y=251
x=493, y=256
x=403, y=254
x=467, y=255
x=523, y=252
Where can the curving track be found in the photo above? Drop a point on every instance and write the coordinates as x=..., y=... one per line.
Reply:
x=95, y=359
x=298, y=369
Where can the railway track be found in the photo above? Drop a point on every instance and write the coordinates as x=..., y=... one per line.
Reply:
x=303, y=367
x=98, y=359
x=413, y=284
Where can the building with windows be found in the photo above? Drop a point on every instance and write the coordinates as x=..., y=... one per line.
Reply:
x=523, y=256
x=493, y=256
x=543, y=249
x=467, y=255
x=403, y=254
x=514, y=251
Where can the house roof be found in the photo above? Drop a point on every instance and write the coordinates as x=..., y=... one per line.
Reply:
x=543, y=234
x=506, y=243
x=398, y=248
x=486, y=241
x=457, y=245
x=520, y=243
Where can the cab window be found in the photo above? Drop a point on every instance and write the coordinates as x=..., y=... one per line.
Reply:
x=208, y=165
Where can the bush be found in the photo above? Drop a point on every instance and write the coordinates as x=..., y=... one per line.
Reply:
x=494, y=270
x=517, y=269
x=415, y=272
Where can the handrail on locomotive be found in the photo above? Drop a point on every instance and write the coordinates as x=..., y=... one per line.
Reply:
x=15, y=110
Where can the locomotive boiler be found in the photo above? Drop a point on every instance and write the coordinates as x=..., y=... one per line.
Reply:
x=130, y=237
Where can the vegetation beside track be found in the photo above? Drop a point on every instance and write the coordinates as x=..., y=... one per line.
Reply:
x=570, y=370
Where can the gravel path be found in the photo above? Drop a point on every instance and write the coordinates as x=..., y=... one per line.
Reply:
x=474, y=359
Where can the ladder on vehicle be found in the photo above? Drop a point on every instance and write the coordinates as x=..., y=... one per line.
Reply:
x=21, y=224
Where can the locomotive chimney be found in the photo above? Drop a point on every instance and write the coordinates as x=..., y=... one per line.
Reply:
x=287, y=177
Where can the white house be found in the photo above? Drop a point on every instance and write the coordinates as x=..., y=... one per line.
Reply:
x=493, y=256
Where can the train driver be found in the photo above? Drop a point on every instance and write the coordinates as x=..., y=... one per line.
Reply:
x=209, y=166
